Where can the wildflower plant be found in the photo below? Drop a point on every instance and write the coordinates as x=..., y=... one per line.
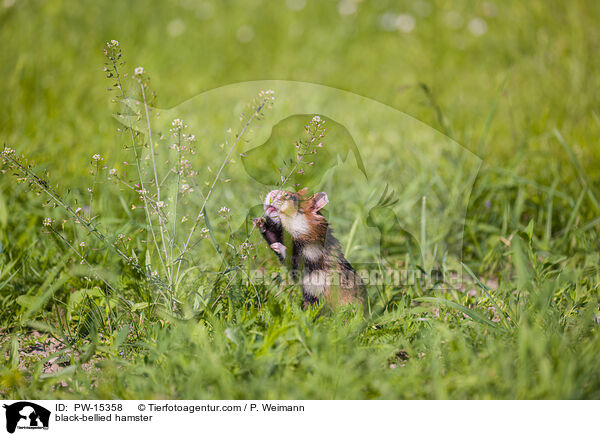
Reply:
x=161, y=178
x=306, y=148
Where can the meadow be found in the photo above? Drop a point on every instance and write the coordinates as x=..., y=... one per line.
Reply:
x=461, y=147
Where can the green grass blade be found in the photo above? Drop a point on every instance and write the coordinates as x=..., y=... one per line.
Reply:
x=474, y=315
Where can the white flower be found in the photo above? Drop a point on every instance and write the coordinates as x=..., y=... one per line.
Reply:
x=176, y=27
x=160, y=204
x=47, y=222
x=477, y=26
x=405, y=23
x=316, y=119
x=177, y=123
x=8, y=150
x=346, y=7
x=224, y=210
x=96, y=157
x=78, y=210
x=245, y=34
x=387, y=21
x=267, y=95
x=138, y=71
x=113, y=43
x=112, y=172
x=82, y=244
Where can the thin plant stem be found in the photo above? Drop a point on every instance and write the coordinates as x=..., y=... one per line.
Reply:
x=298, y=161
x=174, y=240
x=160, y=219
x=93, y=187
x=217, y=176
x=85, y=222
x=82, y=258
x=139, y=170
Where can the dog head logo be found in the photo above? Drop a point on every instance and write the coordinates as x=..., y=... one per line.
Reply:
x=24, y=414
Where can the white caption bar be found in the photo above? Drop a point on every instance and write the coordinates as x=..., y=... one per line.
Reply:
x=298, y=417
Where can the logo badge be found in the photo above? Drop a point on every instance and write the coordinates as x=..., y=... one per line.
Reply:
x=26, y=415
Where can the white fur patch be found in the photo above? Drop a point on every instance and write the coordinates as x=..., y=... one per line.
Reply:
x=313, y=252
x=297, y=225
x=315, y=283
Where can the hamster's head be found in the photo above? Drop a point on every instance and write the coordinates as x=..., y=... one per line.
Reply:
x=289, y=203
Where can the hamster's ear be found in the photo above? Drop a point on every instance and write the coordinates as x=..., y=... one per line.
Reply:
x=302, y=192
x=318, y=201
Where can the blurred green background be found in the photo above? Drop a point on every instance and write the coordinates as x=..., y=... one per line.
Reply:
x=514, y=82
x=535, y=62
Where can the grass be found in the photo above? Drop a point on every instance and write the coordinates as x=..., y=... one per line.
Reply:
x=518, y=316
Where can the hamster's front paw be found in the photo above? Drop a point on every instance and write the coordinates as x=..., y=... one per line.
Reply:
x=278, y=248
